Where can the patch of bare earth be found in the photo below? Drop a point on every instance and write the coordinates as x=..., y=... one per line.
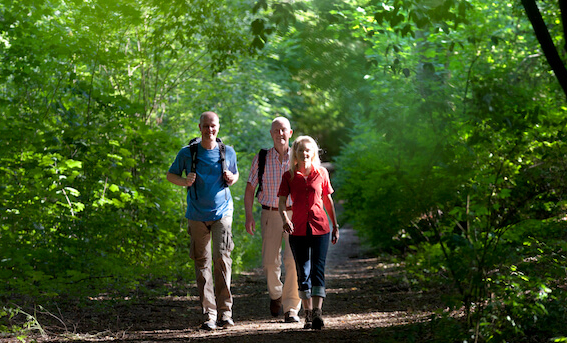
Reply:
x=367, y=297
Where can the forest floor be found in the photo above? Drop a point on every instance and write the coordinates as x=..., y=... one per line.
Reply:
x=368, y=300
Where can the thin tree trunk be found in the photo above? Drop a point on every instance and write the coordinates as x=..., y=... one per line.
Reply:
x=545, y=40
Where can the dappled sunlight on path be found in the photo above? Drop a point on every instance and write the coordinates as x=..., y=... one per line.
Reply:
x=364, y=293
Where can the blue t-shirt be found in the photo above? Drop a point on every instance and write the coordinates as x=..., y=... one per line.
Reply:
x=207, y=199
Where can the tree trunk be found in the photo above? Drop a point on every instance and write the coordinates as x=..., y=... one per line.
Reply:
x=546, y=42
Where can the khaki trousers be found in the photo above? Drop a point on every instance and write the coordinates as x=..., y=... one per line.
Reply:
x=272, y=237
x=215, y=297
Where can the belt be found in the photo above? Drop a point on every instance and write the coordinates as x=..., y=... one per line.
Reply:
x=264, y=207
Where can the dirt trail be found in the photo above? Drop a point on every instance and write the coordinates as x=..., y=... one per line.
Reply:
x=367, y=299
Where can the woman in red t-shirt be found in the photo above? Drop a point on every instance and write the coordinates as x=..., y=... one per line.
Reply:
x=308, y=184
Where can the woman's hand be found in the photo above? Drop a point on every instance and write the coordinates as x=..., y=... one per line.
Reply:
x=335, y=235
x=288, y=227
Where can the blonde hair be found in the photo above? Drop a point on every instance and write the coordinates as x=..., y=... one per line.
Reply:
x=315, y=161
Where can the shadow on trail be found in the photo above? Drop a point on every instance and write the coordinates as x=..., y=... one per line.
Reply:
x=367, y=300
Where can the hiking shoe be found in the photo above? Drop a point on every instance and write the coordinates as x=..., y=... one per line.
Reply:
x=317, y=320
x=276, y=307
x=209, y=325
x=308, y=319
x=226, y=323
x=291, y=318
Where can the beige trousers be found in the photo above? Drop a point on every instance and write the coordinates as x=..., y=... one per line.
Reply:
x=215, y=296
x=272, y=237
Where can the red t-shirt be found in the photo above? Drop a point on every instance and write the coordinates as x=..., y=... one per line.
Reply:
x=307, y=196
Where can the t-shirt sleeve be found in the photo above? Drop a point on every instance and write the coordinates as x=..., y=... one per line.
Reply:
x=253, y=176
x=284, y=185
x=327, y=188
x=181, y=162
x=232, y=164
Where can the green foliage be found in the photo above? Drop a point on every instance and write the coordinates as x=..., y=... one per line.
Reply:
x=442, y=118
x=321, y=67
x=8, y=317
x=460, y=163
x=90, y=122
x=529, y=291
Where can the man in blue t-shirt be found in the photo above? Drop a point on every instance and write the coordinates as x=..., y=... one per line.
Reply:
x=209, y=211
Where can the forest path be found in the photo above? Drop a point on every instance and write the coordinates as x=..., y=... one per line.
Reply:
x=368, y=300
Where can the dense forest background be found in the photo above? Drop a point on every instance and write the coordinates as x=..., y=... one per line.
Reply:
x=445, y=121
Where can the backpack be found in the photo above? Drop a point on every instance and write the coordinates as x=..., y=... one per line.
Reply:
x=261, y=166
x=194, y=148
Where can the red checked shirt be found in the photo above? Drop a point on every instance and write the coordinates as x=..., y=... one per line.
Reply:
x=273, y=171
x=307, y=195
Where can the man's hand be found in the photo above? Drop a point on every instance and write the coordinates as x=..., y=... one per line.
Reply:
x=250, y=225
x=230, y=178
x=180, y=180
x=190, y=179
x=248, y=208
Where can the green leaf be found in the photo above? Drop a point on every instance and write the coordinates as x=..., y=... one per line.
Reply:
x=73, y=191
x=74, y=164
x=114, y=188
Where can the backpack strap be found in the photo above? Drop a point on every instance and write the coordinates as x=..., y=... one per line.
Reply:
x=222, y=150
x=261, y=166
x=194, y=147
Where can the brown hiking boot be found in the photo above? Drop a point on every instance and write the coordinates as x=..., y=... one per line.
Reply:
x=317, y=319
x=276, y=307
x=308, y=319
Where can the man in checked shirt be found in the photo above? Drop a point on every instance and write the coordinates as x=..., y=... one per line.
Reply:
x=283, y=296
